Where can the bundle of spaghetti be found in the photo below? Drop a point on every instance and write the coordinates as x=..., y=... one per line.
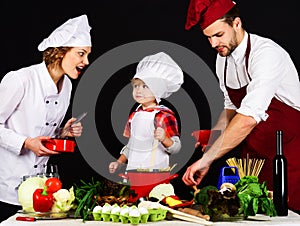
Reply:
x=246, y=166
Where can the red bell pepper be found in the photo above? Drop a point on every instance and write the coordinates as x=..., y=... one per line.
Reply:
x=42, y=200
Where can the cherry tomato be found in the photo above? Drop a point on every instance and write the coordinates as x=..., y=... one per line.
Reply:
x=53, y=184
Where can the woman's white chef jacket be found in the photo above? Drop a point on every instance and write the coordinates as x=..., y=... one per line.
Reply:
x=271, y=70
x=30, y=106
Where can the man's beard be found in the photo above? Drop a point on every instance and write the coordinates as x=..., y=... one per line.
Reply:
x=230, y=48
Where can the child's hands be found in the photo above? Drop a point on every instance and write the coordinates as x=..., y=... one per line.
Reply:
x=114, y=166
x=160, y=134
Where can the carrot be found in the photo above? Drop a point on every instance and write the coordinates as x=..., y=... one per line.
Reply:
x=194, y=212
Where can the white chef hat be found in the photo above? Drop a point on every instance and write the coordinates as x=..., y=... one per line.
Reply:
x=161, y=74
x=73, y=33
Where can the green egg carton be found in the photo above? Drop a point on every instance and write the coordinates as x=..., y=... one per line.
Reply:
x=97, y=216
x=154, y=216
x=144, y=218
x=106, y=217
x=124, y=219
x=134, y=220
x=115, y=217
x=157, y=214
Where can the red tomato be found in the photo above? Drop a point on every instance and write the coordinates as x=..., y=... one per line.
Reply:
x=53, y=184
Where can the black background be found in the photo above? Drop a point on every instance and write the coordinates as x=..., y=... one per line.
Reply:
x=25, y=24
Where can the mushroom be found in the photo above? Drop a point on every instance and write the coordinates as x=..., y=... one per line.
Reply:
x=228, y=190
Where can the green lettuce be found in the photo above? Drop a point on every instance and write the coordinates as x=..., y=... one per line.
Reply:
x=26, y=190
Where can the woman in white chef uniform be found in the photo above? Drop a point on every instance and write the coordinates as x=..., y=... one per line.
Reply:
x=34, y=101
x=152, y=128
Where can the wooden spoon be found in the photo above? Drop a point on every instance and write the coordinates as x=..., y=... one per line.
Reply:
x=196, y=189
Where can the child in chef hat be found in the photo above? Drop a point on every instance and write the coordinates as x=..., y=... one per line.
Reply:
x=152, y=129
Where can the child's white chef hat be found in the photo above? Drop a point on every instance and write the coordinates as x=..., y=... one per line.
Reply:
x=161, y=74
x=73, y=33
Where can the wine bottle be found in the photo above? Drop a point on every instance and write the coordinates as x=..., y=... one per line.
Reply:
x=280, y=178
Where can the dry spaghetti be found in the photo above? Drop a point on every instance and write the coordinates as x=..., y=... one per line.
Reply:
x=246, y=166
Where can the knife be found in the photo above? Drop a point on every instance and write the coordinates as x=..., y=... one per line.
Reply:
x=61, y=132
x=25, y=219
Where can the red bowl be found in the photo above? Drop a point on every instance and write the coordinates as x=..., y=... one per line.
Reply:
x=206, y=137
x=60, y=145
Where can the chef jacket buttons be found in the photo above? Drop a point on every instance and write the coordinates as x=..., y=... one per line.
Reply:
x=47, y=124
x=48, y=102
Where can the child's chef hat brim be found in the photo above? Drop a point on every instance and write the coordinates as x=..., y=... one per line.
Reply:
x=73, y=33
x=161, y=74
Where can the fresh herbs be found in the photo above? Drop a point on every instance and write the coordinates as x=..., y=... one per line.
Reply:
x=90, y=194
x=254, y=197
x=85, y=197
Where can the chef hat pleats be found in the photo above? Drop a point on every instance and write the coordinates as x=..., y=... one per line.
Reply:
x=73, y=33
x=161, y=74
x=206, y=12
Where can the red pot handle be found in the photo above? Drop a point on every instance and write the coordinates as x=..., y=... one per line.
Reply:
x=124, y=176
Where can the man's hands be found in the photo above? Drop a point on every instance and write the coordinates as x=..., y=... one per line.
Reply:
x=195, y=173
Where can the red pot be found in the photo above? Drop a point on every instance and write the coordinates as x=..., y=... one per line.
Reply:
x=141, y=183
x=61, y=145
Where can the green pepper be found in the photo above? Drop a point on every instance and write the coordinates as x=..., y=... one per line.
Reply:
x=42, y=200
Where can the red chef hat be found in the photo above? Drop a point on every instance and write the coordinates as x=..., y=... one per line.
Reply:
x=206, y=12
